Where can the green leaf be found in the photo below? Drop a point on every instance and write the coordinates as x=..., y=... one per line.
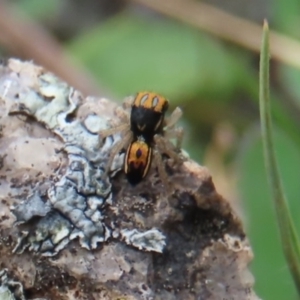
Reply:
x=289, y=239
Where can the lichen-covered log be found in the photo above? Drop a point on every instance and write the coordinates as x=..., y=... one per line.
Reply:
x=69, y=231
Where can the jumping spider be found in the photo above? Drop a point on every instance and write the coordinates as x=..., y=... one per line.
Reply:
x=146, y=135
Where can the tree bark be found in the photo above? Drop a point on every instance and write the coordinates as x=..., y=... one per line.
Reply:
x=69, y=231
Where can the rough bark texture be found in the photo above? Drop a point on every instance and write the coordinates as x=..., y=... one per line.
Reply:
x=67, y=231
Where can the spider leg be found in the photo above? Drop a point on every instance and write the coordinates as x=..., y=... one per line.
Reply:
x=110, y=131
x=122, y=113
x=123, y=143
x=127, y=102
x=176, y=133
x=166, y=147
x=173, y=119
x=159, y=164
x=170, y=131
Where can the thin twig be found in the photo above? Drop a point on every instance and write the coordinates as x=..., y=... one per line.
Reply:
x=228, y=27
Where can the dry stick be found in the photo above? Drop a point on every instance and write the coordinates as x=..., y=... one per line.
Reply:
x=227, y=27
x=25, y=37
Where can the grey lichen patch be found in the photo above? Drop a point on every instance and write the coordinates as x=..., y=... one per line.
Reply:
x=10, y=289
x=51, y=104
x=72, y=207
x=33, y=206
x=151, y=240
x=134, y=242
x=49, y=236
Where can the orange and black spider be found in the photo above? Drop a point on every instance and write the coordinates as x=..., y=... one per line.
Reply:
x=145, y=134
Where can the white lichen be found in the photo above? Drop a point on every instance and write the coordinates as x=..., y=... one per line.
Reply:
x=150, y=240
x=75, y=200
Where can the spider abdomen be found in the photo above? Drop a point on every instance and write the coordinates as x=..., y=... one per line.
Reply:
x=137, y=160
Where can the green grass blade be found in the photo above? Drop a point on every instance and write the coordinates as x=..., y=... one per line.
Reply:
x=289, y=239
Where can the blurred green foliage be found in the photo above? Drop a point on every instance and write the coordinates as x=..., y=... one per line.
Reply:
x=34, y=9
x=130, y=53
x=287, y=21
x=213, y=82
x=273, y=280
